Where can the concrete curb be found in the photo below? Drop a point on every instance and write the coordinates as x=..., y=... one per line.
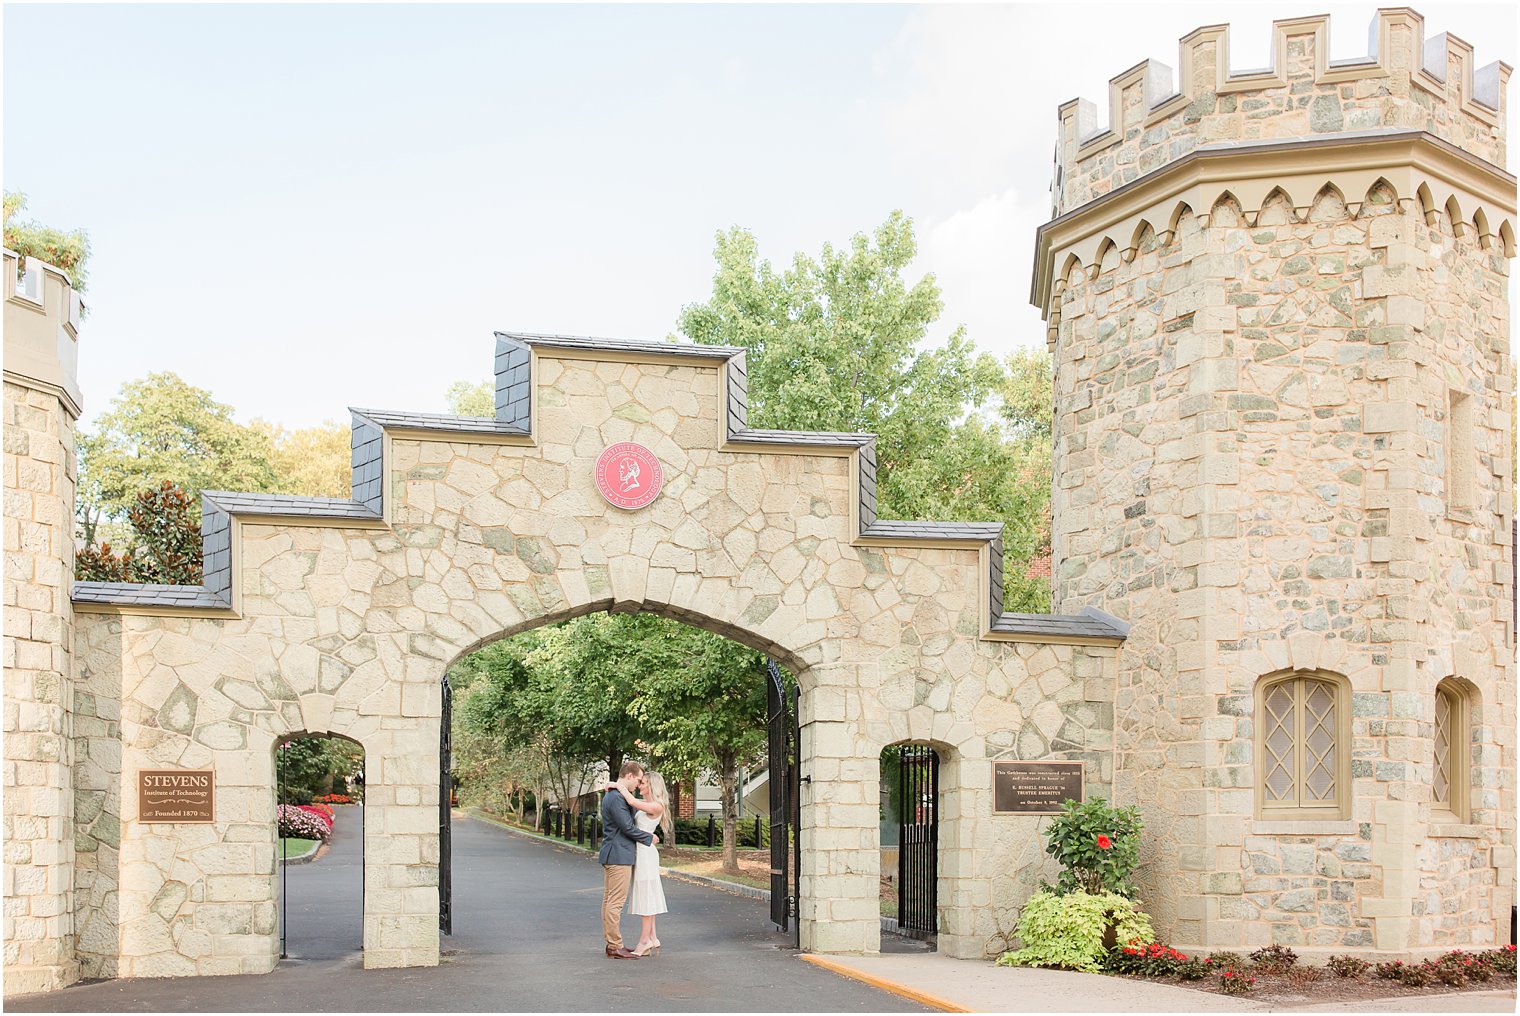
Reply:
x=892, y=987
x=308, y=857
x=737, y=888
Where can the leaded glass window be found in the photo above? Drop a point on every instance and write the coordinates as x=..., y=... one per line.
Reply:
x=1302, y=748
x=1449, y=779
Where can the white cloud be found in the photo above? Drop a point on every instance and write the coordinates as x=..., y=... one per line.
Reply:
x=981, y=259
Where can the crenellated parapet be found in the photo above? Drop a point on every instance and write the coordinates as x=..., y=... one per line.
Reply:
x=1405, y=81
x=1307, y=138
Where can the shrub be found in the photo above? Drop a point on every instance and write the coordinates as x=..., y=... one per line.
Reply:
x=1274, y=959
x=1301, y=977
x=1097, y=846
x=325, y=809
x=1501, y=961
x=1236, y=982
x=1416, y=975
x=332, y=799
x=1194, y=968
x=1067, y=930
x=1347, y=966
x=1225, y=960
x=301, y=824
x=1154, y=960
x=1390, y=971
x=1450, y=970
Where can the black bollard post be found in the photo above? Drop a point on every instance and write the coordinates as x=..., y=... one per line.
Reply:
x=712, y=829
x=758, y=844
x=580, y=829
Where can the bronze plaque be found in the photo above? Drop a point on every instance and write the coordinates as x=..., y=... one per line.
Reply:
x=1035, y=788
x=176, y=795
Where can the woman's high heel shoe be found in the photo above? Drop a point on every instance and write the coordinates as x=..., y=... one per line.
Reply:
x=645, y=948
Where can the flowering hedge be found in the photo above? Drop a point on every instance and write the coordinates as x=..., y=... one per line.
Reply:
x=303, y=823
x=325, y=809
x=332, y=799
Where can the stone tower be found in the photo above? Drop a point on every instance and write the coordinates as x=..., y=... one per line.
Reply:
x=1277, y=306
x=41, y=407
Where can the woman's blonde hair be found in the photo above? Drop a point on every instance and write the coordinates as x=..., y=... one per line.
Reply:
x=662, y=796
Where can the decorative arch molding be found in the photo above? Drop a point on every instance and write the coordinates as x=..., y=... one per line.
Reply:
x=1413, y=164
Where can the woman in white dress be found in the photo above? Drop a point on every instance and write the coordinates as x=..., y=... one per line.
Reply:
x=646, y=896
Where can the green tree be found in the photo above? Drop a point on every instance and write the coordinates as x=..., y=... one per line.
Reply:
x=309, y=766
x=312, y=461
x=66, y=250
x=466, y=399
x=161, y=428
x=702, y=697
x=166, y=548
x=839, y=343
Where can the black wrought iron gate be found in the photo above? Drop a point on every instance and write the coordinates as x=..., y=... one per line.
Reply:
x=918, y=842
x=786, y=798
x=445, y=827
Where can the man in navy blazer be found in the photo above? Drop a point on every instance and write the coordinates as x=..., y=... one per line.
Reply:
x=619, y=835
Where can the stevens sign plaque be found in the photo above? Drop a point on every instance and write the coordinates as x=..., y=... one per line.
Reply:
x=176, y=795
x=1034, y=788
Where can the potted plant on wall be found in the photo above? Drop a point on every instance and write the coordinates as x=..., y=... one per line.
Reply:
x=1091, y=908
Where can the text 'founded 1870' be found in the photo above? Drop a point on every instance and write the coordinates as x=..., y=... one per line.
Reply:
x=1035, y=788
x=176, y=795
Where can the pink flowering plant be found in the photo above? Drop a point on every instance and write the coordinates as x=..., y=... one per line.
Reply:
x=300, y=823
x=1097, y=845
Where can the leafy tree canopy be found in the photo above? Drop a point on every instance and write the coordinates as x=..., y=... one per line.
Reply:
x=68, y=250
x=314, y=461
x=839, y=343
x=163, y=428
x=466, y=399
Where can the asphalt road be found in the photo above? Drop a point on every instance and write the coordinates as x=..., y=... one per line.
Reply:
x=527, y=937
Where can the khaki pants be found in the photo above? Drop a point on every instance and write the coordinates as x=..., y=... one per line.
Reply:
x=615, y=879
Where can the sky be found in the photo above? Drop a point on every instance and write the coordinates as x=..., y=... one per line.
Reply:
x=305, y=208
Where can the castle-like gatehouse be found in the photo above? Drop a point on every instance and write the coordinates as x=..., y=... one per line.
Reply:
x=1277, y=307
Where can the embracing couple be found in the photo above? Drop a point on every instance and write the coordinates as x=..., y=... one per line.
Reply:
x=634, y=806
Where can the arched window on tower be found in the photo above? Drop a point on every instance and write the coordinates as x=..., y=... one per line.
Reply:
x=1450, y=777
x=1303, y=748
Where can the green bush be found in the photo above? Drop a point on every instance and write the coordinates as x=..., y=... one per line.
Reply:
x=1097, y=846
x=1226, y=960
x=1348, y=966
x=1274, y=959
x=1501, y=961
x=1155, y=960
x=1194, y=968
x=1236, y=982
x=1417, y=975
x=1066, y=931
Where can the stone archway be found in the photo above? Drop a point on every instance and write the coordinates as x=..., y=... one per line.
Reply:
x=341, y=616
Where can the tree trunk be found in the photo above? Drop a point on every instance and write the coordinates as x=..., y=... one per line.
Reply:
x=728, y=780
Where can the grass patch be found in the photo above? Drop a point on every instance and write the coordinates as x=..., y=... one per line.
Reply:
x=292, y=847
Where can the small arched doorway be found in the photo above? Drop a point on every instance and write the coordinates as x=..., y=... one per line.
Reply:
x=910, y=805
x=319, y=846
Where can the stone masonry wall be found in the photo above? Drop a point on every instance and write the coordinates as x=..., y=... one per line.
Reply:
x=1250, y=469
x=349, y=629
x=39, y=635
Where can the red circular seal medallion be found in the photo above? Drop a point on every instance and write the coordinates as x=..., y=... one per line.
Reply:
x=628, y=475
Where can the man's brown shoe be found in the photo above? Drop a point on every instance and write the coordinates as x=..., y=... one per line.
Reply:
x=621, y=954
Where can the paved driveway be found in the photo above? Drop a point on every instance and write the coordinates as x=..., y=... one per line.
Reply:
x=527, y=937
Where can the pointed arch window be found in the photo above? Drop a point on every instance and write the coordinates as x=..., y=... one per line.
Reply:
x=1449, y=777
x=1303, y=748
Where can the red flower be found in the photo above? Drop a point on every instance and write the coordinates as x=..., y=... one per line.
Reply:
x=1104, y=842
